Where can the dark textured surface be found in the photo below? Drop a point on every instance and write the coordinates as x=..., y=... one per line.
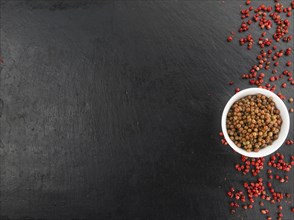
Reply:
x=111, y=110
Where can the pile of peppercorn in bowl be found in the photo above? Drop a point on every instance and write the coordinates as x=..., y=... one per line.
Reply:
x=255, y=122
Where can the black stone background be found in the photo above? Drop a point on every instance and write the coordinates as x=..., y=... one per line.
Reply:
x=111, y=109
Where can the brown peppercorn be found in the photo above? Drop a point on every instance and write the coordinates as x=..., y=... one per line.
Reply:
x=253, y=122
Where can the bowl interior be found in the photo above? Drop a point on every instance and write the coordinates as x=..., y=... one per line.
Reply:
x=284, y=128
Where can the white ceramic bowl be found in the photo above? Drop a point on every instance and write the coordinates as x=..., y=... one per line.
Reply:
x=284, y=129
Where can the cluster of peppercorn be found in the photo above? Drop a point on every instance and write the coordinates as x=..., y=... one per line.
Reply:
x=254, y=122
x=253, y=165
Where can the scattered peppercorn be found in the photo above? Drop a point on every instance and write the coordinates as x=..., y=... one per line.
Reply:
x=289, y=142
x=265, y=17
x=230, y=38
x=263, y=211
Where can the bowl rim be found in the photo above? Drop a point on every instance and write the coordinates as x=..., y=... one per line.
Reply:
x=282, y=135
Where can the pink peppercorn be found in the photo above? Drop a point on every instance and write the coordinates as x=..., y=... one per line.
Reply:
x=230, y=38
